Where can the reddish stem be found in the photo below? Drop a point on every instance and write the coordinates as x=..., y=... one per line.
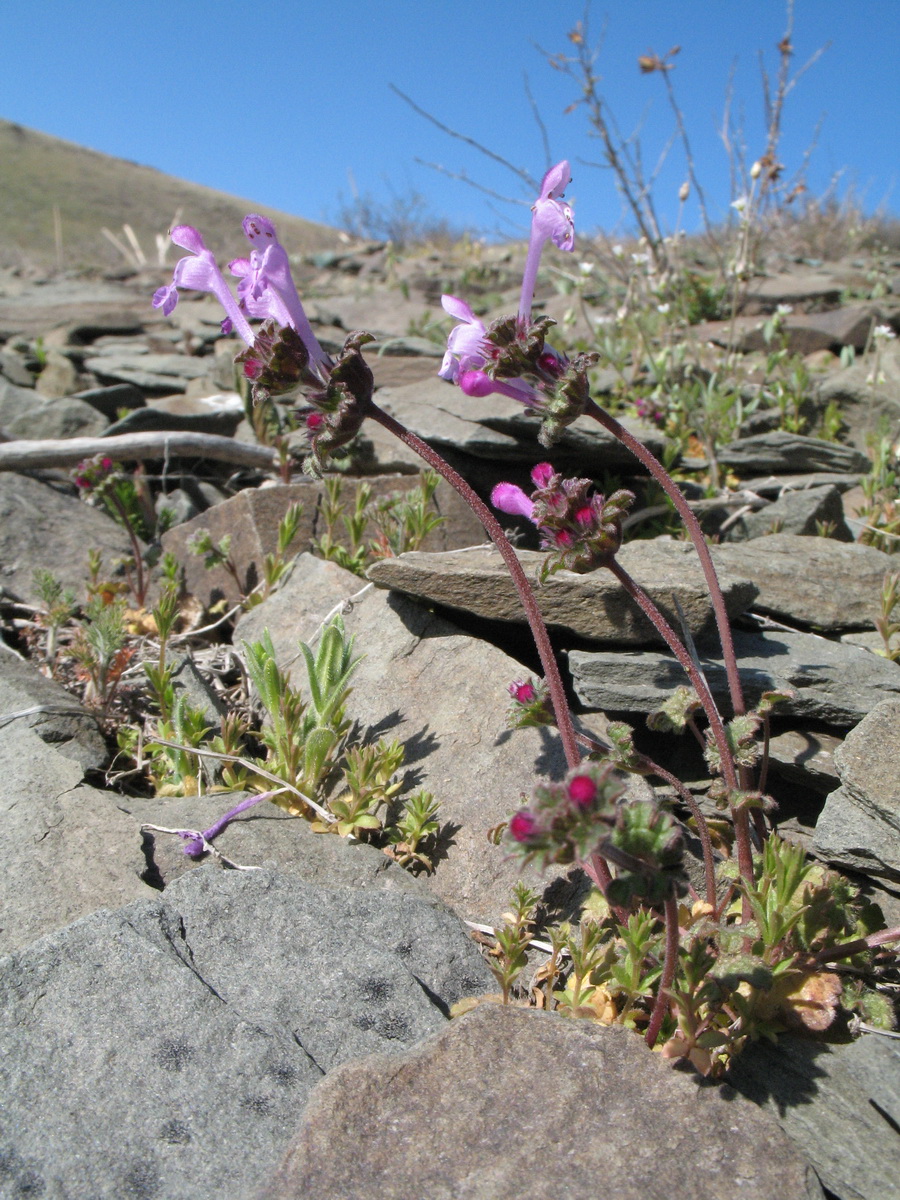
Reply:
x=662, y=477
x=729, y=771
x=668, y=973
x=523, y=586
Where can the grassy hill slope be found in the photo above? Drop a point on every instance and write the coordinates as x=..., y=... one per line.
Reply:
x=92, y=190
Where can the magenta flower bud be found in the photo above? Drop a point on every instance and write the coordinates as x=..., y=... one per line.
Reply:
x=542, y=474
x=523, y=825
x=476, y=383
x=511, y=499
x=582, y=791
x=563, y=539
x=584, y=516
x=106, y=464
x=314, y=421
x=523, y=693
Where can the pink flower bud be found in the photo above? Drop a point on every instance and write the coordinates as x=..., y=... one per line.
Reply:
x=582, y=791
x=523, y=825
x=522, y=693
x=542, y=474
x=314, y=421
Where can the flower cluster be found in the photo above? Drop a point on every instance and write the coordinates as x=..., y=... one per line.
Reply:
x=510, y=356
x=92, y=473
x=531, y=704
x=581, y=531
x=284, y=353
x=568, y=822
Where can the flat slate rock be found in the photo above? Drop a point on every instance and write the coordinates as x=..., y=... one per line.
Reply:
x=815, y=581
x=31, y=700
x=834, y=683
x=499, y=428
x=838, y=1104
x=593, y=605
x=66, y=849
x=507, y=1103
x=224, y=1001
x=779, y=451
x=46, y=525
x=262, y=836
x=250, y=519
x=803, y=513
x=859, y=828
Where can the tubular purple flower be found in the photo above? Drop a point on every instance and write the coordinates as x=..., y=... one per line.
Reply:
x=551, y=220
x=476, y=383
x=200, y=271
x=195, y=842
x=464, y=345
x=509, y=498
x=267, y=288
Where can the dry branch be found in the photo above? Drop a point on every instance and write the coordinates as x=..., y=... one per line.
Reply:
x=68, y=452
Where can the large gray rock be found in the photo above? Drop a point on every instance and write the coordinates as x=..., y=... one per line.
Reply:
x=150, y=372
x=860, y=825
x=803, y=513
x=779, y=451
x=454, y=1116
x=124, y=1074
x=251, y=520
x=813, y=581
x=838, y=1104
x=444, y=696
x=833, y=683
x=33, y=701
x=498, y=428
x=65, y=848
x=262, y=836
x=866, y=405
x=133, y=1043
x=46, y=525
x=63, y=418
x=594, y=605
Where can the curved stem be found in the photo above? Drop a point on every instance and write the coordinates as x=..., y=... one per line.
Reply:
x=523, y=586
x=717, y=727
x=662, y=477
x=646, y=765
x=668, y=973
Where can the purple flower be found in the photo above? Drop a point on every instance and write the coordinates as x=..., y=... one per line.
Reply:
x=196, y=843
x=266, y=287
x=511, y=499
x=465, y=350
x=477, y=383
x=551, y=220
x=199, y=270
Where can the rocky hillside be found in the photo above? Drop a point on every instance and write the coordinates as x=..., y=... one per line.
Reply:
x=263, y=1009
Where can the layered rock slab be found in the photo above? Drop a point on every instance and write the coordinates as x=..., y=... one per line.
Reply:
x=594, y=605
x=820, y=582
x=509, y=1102
x=832, y=682
x=859, y=827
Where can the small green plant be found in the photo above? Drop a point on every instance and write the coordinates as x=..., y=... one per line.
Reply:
x=100, y=651
x=886, y=623
x=415, y=829
x=881, y=489
x=276, y=564
x=402, y=522
x=59, y=607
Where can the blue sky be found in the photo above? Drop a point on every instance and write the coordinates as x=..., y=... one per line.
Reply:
x=278, y=101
